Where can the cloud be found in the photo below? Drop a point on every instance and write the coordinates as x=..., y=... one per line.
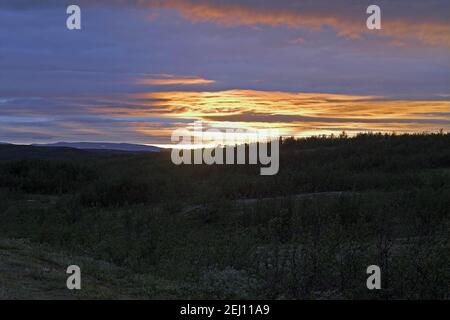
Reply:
x=424, y=21
x=277, y=118
x=401, y=20
x=293, y=112
x=167, y=79
x=129, y=78
x=151, y=117
x=347, y=18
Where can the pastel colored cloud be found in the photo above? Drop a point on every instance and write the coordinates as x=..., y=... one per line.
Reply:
x=141, y=68
x=166, y=79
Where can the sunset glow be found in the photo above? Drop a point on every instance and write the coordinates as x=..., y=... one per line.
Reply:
x=299, y=114
x=138, y=70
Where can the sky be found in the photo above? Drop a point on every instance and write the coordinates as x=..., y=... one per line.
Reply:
x=139, y=69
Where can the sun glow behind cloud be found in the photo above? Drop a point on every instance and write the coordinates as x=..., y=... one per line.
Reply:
x=295, y=114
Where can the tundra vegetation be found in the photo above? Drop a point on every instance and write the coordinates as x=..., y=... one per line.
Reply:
x=140, y=226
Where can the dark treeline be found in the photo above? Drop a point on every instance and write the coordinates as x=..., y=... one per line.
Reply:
x=316, y=164
x=188, y=226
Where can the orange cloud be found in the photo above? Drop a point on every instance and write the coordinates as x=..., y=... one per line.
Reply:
x=430, y=31
x=348, y=19
x=302, y=113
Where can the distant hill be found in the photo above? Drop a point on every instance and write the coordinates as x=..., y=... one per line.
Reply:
x=19, y=152
x=64, y=150
x=128, y=147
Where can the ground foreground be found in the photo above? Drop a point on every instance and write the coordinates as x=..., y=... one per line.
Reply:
x=140, y=227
